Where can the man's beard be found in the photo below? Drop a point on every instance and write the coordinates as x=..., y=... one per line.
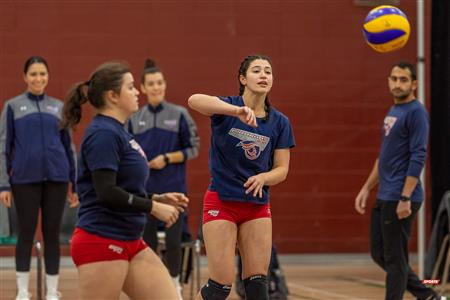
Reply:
x=402, y=97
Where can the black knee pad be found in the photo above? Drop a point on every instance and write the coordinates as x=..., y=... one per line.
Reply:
x=215, y=291
x=256, y=288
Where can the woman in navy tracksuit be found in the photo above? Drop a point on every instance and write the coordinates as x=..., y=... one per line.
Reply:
x=168, y=136
x=37, y=164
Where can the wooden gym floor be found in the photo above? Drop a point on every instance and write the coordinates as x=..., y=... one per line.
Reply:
x=309, y=277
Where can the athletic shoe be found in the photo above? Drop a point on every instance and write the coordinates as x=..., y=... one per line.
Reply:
x=53, y=295
x=176, y=281
x=23, y=295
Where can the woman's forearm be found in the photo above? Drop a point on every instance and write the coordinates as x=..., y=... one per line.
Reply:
x=210, y=105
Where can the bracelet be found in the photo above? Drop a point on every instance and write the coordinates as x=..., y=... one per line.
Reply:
x=166, y=159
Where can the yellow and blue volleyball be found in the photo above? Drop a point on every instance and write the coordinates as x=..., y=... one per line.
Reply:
x=386, y=28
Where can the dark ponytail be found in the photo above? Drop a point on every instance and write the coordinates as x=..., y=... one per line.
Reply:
x=107, y=77
x=267, y=107
x=75, y=98
x=243, y=71
x=149, y=68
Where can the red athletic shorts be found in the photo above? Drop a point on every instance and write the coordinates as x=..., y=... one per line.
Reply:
x=233, y=211
x=88, y=248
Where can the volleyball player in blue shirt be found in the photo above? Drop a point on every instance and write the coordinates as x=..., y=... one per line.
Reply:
x=107, y=247
x=250, y=151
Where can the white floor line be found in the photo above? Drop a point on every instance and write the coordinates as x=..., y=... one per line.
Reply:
x=377, y=283
x=324, y=293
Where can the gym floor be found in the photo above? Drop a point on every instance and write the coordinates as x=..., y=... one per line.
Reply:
x=309, y=277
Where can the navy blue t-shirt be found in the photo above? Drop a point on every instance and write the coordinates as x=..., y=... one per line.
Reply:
x=403, y=150
x=107, y=145
x=239, y=151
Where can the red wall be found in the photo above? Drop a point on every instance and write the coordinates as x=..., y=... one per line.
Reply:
x=331, y=85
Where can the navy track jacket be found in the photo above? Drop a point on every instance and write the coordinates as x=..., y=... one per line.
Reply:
x=162, y=129
x=33, y=147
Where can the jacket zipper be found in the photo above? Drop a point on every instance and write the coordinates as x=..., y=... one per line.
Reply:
x=44, y=161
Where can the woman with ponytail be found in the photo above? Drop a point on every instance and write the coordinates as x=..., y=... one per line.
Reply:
x=250, y=151
x=168, y=136
x=107, y=247
x=37, y=163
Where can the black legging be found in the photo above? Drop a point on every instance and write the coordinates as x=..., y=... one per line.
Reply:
x=28, y=198
x=172, y=257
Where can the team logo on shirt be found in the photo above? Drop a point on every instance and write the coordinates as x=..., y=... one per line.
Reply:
x=138, y=148
x=388, y=124
x=252, y=144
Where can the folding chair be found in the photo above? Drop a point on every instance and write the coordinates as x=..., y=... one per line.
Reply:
x=190, y=266
x=443, y=260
